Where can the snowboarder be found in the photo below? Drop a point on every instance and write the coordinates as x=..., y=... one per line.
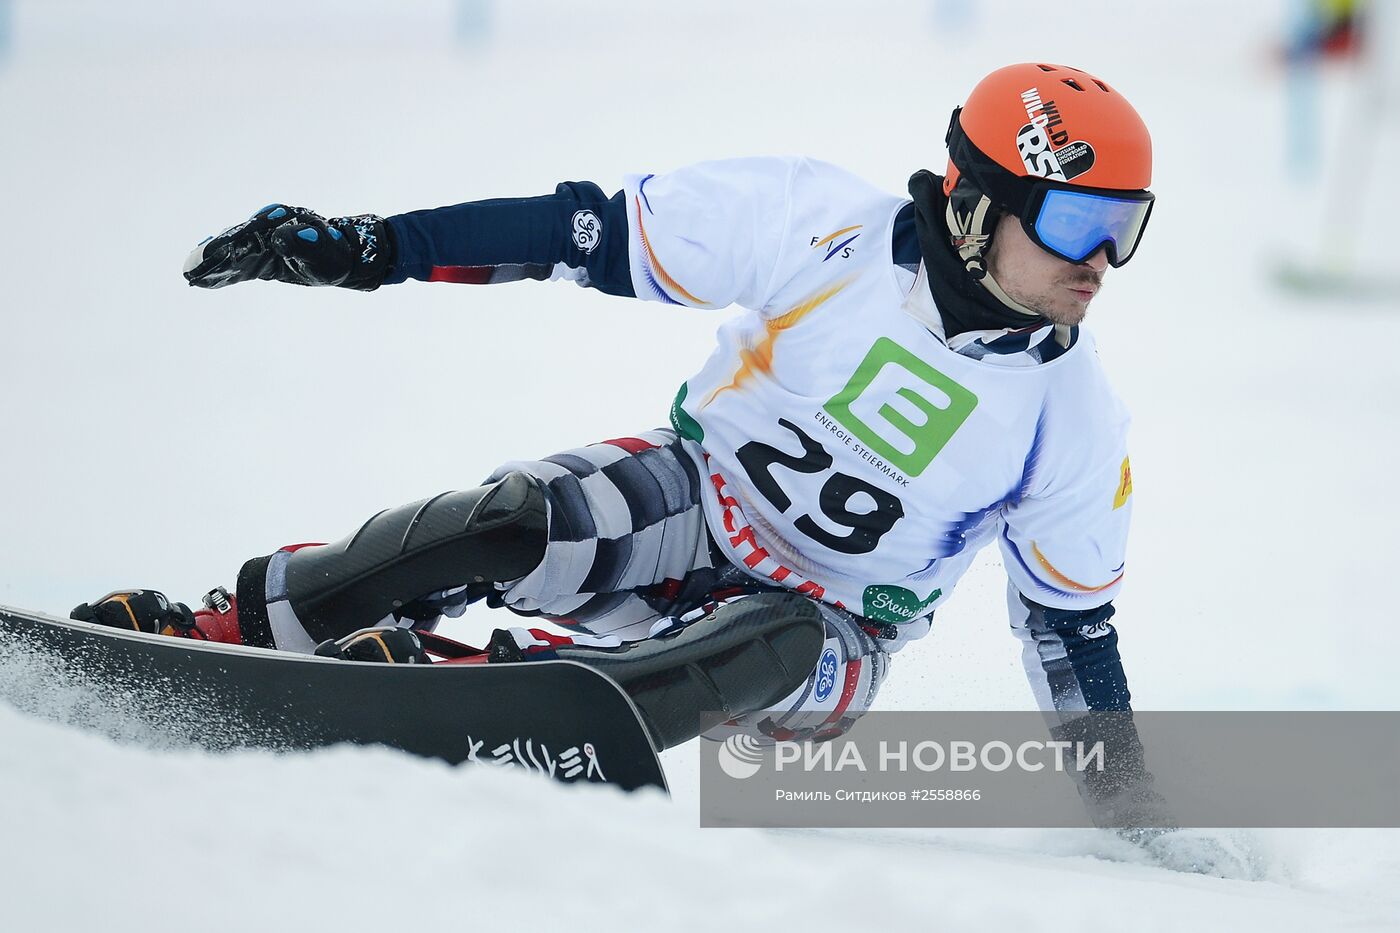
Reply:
x=910, y=382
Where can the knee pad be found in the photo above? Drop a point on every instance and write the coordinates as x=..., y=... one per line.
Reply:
x=491, y=534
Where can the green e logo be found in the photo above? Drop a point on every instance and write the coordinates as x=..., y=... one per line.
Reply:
x=901, y=407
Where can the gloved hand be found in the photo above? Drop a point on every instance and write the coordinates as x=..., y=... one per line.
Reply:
x=292, y=244
x=1218, y=853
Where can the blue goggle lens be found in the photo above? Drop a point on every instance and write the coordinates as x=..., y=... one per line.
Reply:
x=1074, y=224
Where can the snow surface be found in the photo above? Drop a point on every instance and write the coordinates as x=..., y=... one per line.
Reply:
x=159, y=436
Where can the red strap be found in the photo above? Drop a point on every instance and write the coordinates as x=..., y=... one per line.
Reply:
x=446, y=648
x=462, y=275
x=633, y=445
x=848, y=691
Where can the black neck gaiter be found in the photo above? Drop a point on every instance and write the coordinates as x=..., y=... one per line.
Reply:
x=963, y=304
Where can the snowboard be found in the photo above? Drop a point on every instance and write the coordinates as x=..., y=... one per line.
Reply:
x=556, y=718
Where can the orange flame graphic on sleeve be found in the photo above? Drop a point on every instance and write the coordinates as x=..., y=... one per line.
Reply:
x=759, y=358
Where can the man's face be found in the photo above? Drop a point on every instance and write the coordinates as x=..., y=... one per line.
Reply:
x=1059, y=290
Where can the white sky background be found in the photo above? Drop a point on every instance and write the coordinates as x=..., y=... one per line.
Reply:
x=157, y=435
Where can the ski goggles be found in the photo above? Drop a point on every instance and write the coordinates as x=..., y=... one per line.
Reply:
x=1074, y=223
x=1069, y=221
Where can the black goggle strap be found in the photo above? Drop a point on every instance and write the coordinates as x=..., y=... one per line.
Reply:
x=1007, y=191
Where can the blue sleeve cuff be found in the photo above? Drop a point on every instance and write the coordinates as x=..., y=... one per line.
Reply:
x=508, y=239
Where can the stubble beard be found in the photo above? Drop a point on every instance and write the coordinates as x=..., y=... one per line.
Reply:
x=1057, y=305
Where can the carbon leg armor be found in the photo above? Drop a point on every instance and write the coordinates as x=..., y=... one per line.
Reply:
x=475, y=537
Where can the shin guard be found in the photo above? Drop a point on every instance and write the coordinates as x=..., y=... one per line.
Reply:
x=491, y=534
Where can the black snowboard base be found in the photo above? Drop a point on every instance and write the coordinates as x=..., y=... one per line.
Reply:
x=560, y=719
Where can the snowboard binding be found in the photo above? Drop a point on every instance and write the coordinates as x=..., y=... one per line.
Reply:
x=384, y=644
x=152, y=612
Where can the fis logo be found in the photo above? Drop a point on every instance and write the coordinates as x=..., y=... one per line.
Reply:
x=837, y=244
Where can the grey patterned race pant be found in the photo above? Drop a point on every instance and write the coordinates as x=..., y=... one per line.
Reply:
x=628, y=546
x=627, y=537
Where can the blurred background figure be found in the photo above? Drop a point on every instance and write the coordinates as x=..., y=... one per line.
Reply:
x=1326, y=29
x=950, y=18
x=1342, y=83
x=6, y=15
x=475, y=19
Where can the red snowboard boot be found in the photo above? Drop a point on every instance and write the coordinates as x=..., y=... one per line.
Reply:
x=150, y=611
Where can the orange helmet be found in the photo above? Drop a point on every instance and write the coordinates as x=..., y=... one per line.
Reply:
x=1056, y=147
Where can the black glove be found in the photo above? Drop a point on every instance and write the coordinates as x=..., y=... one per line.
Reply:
x=291, y=244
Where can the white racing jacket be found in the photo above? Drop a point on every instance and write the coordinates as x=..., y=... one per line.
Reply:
x=854, y=455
